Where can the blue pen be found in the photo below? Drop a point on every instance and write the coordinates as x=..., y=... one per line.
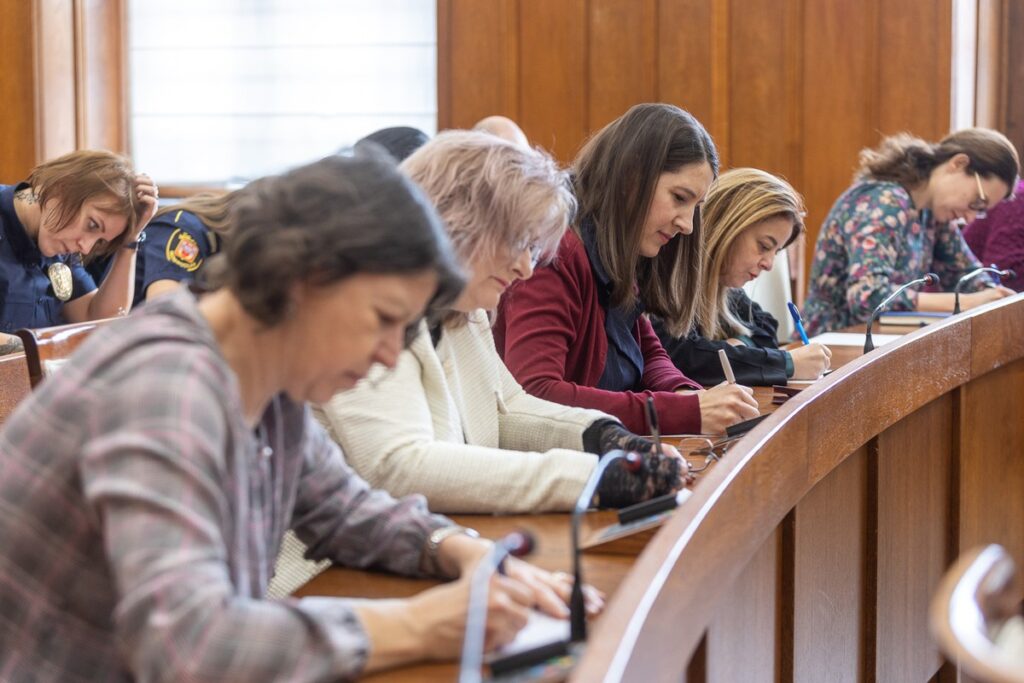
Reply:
x=798, y=322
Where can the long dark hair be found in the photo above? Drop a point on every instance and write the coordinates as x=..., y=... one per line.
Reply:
x=909, y=160
x=326, y=221
x=616, y=173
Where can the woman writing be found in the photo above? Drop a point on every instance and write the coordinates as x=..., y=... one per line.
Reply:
x=83, y=204
x=899, y=220
x=140, y=534
x=449, y=421
x=749, y=216
x=576, y=332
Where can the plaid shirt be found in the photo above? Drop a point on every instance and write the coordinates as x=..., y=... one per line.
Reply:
x=140, y=518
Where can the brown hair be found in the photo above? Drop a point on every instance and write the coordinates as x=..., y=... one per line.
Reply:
x=616, y=173
x=327, y=221
x=75, y=178
x=740, y=199
x=909, y=160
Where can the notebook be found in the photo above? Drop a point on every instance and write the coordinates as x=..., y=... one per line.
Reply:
x=910, y=318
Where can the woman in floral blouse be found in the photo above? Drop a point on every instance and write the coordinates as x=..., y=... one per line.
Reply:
x=900, y=220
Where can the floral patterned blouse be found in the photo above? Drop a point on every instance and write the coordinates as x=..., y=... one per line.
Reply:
x=873, y=241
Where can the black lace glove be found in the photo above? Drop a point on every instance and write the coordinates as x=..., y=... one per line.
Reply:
x=657, y=476
x=608, y=435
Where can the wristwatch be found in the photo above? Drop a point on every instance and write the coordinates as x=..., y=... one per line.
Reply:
x=437, y=536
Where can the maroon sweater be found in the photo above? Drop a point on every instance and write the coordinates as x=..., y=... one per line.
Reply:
x=550, y=332
x=999, y=237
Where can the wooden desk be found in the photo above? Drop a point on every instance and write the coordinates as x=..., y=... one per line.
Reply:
x=809, y=552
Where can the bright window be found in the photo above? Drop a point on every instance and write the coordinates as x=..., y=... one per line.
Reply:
x=229, y=90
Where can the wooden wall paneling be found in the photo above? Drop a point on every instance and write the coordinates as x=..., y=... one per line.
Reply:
x=741, y=642
x=914, y=523
x=445, y=73
x=101, y=29
x=473, y=78
x=837, y=77
x=56, y=73
x=623, y=59
x=759, y=109
x=684, y=57
x=553, y=68
x=721, y=93
x=912, y=90
x=1013, y=122
x=992, y=440
x=999, y=101
x=829, y=582
x=990, y=66
x=17, y=90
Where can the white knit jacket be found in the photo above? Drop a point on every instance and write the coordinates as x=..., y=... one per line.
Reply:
x=453, y=424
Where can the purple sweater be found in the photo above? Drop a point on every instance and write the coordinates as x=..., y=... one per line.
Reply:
x=999, y=237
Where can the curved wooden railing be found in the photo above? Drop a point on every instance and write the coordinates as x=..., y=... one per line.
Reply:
x=815, y=544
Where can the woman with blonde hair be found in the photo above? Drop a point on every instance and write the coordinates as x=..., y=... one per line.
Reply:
x=576, y=333
x=749, y=217
x=179, y=240
x=899, y=220
x=449, y=421
x=87, y=204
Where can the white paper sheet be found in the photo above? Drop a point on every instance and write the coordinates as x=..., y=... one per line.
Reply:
x=852, y=339
x=539, y=630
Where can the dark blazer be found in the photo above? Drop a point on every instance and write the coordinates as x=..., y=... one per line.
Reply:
x=759, y=362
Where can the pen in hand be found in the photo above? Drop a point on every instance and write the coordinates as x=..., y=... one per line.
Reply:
x=652, y=425
x=726, y=367
x=798, y=322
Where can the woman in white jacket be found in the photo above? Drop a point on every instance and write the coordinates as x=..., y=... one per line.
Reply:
x=450, y=421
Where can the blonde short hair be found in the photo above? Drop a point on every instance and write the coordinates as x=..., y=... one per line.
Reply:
x=492, y=194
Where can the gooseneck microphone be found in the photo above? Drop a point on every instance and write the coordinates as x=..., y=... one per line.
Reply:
x=516, y=544
x=928, y=279
x=577, y=608
x=1005, y=274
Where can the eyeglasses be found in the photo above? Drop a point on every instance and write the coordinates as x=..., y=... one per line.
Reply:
x=528, y=245
x=979, y=205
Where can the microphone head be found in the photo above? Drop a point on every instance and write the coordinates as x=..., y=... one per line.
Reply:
x=519, y=543
x=1008, y=274
x=632, y=461
x=931, y=279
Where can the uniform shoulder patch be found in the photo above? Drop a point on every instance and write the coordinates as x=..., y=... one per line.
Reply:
x=182, y=250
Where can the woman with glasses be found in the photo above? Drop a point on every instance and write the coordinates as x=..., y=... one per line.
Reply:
x=449, y=421
x=999, y=237
x=900, y=219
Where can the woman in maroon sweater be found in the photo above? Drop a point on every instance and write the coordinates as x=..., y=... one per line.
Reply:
x=576, y=332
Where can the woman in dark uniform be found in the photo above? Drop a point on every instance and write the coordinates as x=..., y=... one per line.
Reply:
x=178, y=241
x=182, y=237
x=86, y=203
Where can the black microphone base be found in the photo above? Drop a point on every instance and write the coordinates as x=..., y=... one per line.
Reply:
x=549, y=662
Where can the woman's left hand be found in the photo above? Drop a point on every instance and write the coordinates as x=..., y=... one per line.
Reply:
x=147, y=195
x=551, y=590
